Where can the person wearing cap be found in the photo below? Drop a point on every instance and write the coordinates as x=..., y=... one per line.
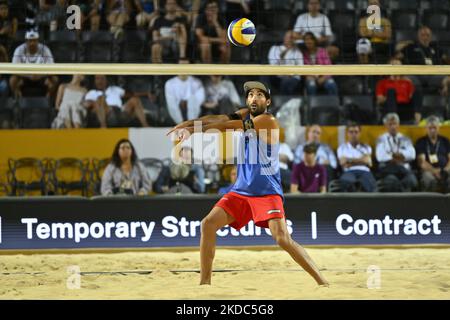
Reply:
x=257, y=194
x=33, y=52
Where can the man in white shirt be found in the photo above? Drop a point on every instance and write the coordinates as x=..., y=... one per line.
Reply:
x=184, y=97
x=106, y=101
x=315, y=22
x=355, y=159
x=394, y=152
x=32, y=52
x=221, y=96
x=324, y=155
x=286, y=54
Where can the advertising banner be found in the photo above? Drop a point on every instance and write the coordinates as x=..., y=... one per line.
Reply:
x=174, y=221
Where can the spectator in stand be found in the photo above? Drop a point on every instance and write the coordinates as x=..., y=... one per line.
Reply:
x=183, y=177
x=169, y=35
x=236, y=8
x=147, y=12
x=314, y=55
x=397, y=94
x=232, y=178
x=423, y=52
x=125, y=175
x=380, y=37
x=286, y=54
x=324, y=154
x=69, y=104
x=308, y=176
x=118, y=14
x=184, y=96
x=58, y=15
x=210, y=30
x=355, y=159
x=91, y=12
x=106, y=101
x=317, y=23
x=221, y=96
x=433, y=158
x=394, y=152
x=8, y=29
x=33, y=85
x=445, y=86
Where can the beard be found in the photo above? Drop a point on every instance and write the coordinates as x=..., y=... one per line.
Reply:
x=256, y=110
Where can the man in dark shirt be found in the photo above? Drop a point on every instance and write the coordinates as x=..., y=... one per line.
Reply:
x=210, y=29
x=308, y=175
x=433, y=156
x=423, y=52
x=169, y=35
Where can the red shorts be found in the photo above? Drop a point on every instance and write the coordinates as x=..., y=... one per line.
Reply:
x=245, y=208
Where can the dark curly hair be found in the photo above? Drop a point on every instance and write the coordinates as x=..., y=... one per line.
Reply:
x=115, y=158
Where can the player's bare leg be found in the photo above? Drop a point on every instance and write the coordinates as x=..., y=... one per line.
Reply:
x=216, y=219
x=283, y=238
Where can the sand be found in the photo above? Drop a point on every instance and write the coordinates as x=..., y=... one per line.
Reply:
x=412, y=273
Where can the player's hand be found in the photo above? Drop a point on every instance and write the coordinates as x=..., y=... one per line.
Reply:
x=181, y=134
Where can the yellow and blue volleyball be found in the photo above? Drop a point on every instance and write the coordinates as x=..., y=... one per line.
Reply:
x=241, y=32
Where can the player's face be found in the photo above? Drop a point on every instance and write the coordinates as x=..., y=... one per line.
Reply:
x=257, y=102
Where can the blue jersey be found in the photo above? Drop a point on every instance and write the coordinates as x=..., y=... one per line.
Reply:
x=258, y=169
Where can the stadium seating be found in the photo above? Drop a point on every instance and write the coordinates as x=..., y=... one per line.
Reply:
x=69, y=176
x=35, y=112
x=324, y=110
x=64, y=46
x=26, y=176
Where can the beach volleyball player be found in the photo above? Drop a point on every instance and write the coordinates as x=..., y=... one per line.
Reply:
x=257, y=193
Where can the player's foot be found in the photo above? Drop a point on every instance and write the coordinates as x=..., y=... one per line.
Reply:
x=324, y=284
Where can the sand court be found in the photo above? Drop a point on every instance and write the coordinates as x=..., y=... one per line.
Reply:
x=397, y=273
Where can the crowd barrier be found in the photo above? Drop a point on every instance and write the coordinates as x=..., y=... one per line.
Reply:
x=174, y=221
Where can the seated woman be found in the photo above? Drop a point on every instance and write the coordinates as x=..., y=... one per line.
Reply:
x=313, y=55
x=71, y=111
x=125, y=174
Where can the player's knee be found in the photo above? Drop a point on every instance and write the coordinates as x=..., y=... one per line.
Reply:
x=208, y=225
x=283, y=239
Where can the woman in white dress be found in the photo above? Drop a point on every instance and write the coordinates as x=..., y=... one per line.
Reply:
x=69, y=103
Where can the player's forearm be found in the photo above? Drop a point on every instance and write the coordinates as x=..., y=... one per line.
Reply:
x=205, y=120
x=224, y=125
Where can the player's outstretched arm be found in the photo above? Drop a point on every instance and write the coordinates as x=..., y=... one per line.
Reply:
x=265, y=125
x=209, y=119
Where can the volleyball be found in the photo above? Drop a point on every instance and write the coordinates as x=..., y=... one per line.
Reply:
x=241, y=32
